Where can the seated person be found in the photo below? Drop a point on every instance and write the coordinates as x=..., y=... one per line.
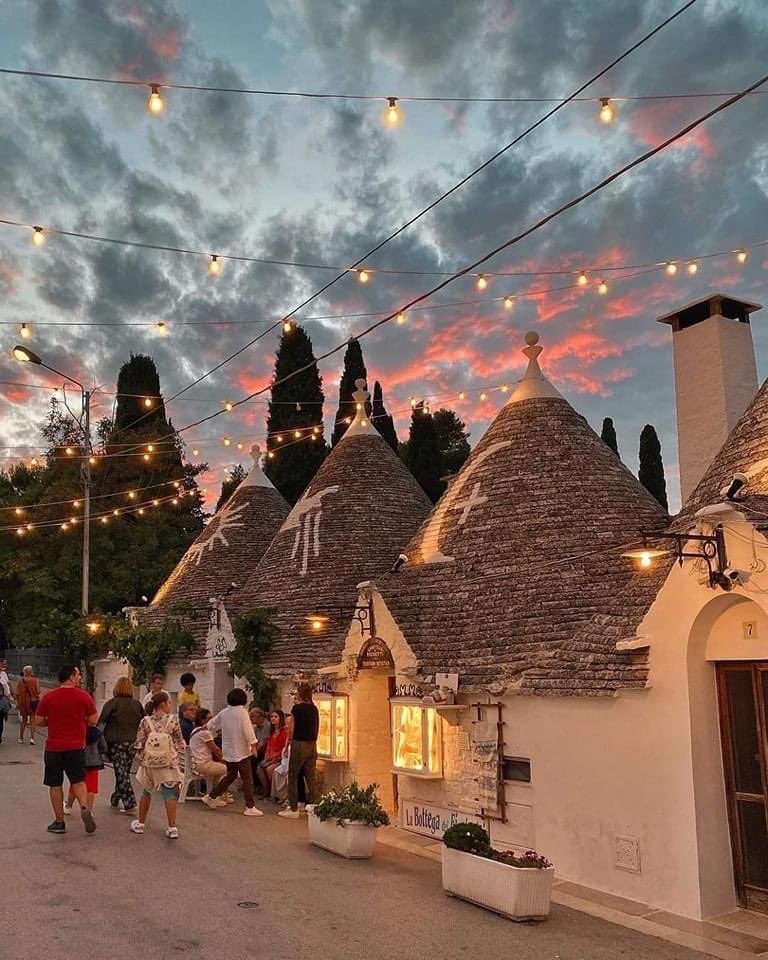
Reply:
x=273, y=754
x=188, y=693
x=187, y=712
x=206, y=756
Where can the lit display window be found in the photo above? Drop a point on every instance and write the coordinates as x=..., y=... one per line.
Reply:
x=416, y=740
x=332, y=736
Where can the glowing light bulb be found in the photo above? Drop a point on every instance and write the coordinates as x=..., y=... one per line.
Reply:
x=645, y=560
x=462, y=395
x=162, y=328
x=228, y=406
x=582, y=280
x=297, y=434
x=358, y=406
x=151, y=447
x=155, y=503
x=607, y=112
x=34, y=461
x=239, y=446
x=671, y=268
x=18, y=511
x=30, y=528
x=38, y=236
x=483, y=396
x=175, y=501
x=104, y=520
x=400, y=318
x=348, y=420
x=393, y=114
x=73, y=520
x=363, y=276
x=316, y=430
x=20, y=531
x=115, y=513
x=140, y=511
x=92, y=461
x=504, y=388
x=279, y=438
x=227, y=441
x=413, y=402
x=65, y=526
x=482, y=283
x=693, y=268
x=147, y=457
x=271, y=455
x=155, y=102
x=509, y=302
x=195, y=452
x=214, y=266
x=741, y=256
x=287, y=326
x=76, y=504
x=148, y=402
x=602, y=288
x=70, y=452
x=363, y=423
x=25, y=331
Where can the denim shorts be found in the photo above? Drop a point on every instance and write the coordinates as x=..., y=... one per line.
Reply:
x=166, y=792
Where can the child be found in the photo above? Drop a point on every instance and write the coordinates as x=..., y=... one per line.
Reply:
x=95, y=751
x=159, y=747
x=188, y=694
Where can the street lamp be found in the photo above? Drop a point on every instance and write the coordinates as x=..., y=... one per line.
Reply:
x=25, y=355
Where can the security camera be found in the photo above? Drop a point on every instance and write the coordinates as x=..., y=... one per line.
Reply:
x=735, y=576
x=402, y=559
x=738, y=481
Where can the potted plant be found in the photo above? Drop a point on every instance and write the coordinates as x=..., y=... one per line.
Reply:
x=518, y=886
x=345, y=821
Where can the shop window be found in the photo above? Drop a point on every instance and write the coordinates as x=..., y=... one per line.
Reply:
x=332, y=737
x=517, y=769
x=416, y=740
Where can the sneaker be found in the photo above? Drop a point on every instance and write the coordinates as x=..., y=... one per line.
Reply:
x=289, y=814
x=20, y=740
x=137, y=826
x=228, y=798
x=252, y=812
x=88, y=822
x=32, y=741
x=172, y=833
x=58, y=826
x=67, y=809
x=213, y=802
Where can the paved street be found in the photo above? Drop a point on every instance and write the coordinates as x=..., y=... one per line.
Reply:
x=116, y=894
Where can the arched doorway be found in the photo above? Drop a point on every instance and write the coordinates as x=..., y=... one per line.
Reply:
x=728, y=686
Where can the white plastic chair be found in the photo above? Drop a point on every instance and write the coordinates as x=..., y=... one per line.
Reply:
x=190, y=777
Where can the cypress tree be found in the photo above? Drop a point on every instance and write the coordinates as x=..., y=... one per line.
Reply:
x=231, y=484
x=354, y=369
x=296, y=404
x=608, y=435
x=422, y=456
x=452, y=441
x=651, y=473
x=138, y=381
x=382, y=420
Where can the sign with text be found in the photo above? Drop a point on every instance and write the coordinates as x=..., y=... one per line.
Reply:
x=374, y=654
x=429, y=820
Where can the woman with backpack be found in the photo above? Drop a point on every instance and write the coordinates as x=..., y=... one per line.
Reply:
x=159, y=748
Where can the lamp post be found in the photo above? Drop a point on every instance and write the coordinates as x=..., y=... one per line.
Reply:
x=25, y=355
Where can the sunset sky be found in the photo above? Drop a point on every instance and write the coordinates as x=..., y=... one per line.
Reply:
x=320, y=181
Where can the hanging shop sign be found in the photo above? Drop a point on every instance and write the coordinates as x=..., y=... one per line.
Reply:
x=374, y=654
x=429, y=820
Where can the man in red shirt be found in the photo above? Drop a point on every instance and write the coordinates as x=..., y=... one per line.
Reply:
x=67, y=711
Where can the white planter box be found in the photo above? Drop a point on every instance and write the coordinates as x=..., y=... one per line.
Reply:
x=354, y=840
x=520, y=893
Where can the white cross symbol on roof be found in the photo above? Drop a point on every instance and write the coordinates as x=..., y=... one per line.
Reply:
x=473, y=500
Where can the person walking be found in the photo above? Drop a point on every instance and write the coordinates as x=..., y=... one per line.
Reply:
x=120, y=719
x=160, y=747
x=27, y=699
x=5, y=695
x=302, y=734
x=238, y=745
x=67, y=711
x=95, y=751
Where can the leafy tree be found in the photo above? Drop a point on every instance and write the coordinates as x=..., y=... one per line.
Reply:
x=137, y=382
x=354, y=369
x=651, y=473
x=131, y=554
x=149, y=649
x=255, y=634
x=452, y=441
x=382, y=420
x=296, y=404
x=422, y=454
x=608, y=435
x=228, y=487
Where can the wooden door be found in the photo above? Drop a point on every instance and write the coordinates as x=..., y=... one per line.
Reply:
x=743, y=696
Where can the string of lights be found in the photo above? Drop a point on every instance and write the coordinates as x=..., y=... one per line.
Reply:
x=585, y=276
x=603, y=287
x=75, y=502
x=286, y=321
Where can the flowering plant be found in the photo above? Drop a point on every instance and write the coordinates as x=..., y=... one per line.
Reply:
x=529, y=859
x=474, y=839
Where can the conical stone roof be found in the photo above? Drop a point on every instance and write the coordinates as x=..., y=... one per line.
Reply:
x=350, y=524
x=745, y=451
x=520, y=560
x=227, y=551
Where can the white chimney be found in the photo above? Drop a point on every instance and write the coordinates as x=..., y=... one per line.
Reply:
x=715, y=377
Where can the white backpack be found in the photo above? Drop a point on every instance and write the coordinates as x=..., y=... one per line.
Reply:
x=159, y=748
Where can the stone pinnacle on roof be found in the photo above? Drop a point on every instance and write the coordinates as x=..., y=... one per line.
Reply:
x=361, y=426
x=256, y=476
x=534, y=384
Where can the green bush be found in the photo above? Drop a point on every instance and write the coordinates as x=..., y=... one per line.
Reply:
x=353, y=803
x=469, y=838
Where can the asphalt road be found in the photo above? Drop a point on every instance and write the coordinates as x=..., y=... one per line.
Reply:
x=241, y=888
